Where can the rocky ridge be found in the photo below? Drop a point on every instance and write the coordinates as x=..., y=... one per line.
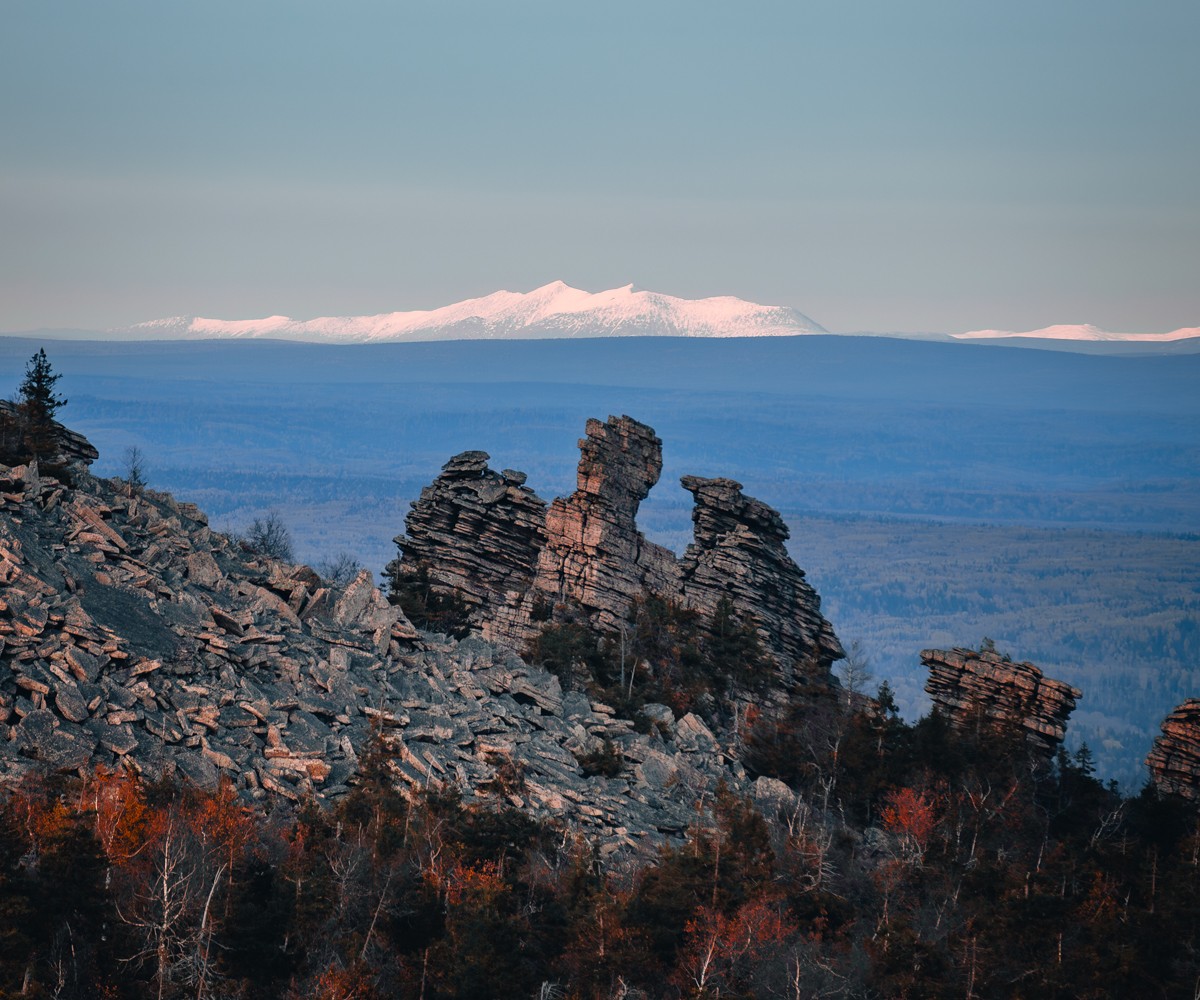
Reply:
x=486, y=538
x=1174, y=760
x=970, y=687
x=132, y=635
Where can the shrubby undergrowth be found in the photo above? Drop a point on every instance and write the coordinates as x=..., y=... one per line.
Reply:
x=915, y=862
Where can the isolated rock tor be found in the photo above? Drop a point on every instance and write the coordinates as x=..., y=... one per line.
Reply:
x=476, y=534
x=739, y=554
x=971, y=687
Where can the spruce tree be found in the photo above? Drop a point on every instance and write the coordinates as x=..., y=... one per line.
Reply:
x=39, y=404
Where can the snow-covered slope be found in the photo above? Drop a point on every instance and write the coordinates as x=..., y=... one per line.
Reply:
x=554, y=310
x=1083, y=332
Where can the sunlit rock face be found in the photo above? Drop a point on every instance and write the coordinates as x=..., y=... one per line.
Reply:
x=595, y=558
x=486, y=537
x=978, y=688
x=1174, y=760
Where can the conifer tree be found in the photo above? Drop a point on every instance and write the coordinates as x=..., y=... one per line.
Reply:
x=39, y=404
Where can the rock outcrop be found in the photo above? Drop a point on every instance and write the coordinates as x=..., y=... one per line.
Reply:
x=132, y=635
x=72, y=450
x=739, y=555
x=1174, y=760
x=476, y=534
x=970, y=688
x=485, y=537
x=594, y=557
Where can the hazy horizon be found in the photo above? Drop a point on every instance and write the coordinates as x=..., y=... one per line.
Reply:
x=927, y=168
x=558, y=310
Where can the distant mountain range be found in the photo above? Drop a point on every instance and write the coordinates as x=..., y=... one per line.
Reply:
x=1084, y=332
x=558, y=311
x=553, y=311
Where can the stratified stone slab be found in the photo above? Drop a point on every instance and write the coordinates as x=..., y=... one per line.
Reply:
x=966, y=685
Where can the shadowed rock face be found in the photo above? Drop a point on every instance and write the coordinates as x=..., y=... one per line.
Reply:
x=968, y=687
x=1174, y=760
x=477, y=532
x=507, y=559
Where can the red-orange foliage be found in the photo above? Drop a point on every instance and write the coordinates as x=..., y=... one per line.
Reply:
x=117, y=797
x=473, y=885
x=39, y=813
x=912, y=815
x=720, y=952
x=225, y=822
x=337, y=983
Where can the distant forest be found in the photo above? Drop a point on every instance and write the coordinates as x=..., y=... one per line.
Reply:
x=936, y=493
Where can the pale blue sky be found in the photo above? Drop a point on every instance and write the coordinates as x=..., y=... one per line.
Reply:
x=878, y=165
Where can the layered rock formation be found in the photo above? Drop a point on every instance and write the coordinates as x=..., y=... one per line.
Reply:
x=72, y=450
x=132, y=635
x=739, y=554
x=1174, y=760
x=477, y=535
x=594, y=557
x=970, y=687
x=585, y=553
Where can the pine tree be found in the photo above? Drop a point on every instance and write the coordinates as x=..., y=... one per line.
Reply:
x=39, y=404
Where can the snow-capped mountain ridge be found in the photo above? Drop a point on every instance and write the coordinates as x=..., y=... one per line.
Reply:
x=559, y=311
x=553, y=310
x=1083, y=332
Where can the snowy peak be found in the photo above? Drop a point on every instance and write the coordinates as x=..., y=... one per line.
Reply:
x=1083, y=332
x=555, y=310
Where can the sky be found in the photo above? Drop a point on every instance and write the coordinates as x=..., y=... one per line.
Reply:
x=933, y=165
